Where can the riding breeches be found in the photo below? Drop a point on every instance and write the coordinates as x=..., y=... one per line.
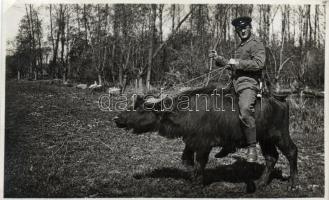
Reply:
x=247, y=100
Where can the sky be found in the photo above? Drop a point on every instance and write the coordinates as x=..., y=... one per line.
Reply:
x=11, y=22
x=13, y=16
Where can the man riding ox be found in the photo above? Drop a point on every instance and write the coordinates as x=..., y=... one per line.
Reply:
x=246, y=67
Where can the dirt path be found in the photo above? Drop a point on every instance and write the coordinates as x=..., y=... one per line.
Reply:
x=59, y=144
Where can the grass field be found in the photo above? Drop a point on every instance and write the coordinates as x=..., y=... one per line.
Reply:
x=59, y=144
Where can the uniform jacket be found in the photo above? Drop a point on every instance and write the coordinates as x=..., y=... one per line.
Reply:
x=251, y=57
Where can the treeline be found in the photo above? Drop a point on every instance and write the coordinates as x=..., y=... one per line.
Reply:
x=152, y=44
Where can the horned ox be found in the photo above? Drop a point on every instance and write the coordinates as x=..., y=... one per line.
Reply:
x=204, y=125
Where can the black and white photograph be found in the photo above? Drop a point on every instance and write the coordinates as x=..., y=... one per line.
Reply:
x=164, y=100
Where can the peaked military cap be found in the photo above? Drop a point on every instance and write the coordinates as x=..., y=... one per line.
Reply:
x=241, y=22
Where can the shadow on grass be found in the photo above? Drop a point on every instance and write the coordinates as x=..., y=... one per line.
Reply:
x=238, y=172
x=164, y=172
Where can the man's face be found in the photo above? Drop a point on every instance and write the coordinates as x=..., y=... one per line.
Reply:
x=244, y=33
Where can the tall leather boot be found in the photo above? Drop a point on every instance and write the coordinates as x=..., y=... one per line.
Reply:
x=250, y=134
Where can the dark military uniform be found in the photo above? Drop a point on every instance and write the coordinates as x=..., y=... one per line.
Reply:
x=246, y=66
x=247, y=71
x=251, y=57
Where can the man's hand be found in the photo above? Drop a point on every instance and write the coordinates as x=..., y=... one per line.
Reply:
x=220, y=60
x=233, y=63
x=213, y=54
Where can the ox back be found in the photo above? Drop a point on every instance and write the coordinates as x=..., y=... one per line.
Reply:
x=212, y=118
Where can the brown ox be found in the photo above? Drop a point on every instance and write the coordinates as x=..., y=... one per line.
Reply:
x=203, y=122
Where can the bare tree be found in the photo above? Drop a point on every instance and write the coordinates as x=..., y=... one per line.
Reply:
x=29, y=14
x=151, y=40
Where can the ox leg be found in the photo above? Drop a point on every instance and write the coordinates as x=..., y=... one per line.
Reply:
x=271, y=156
x=200, y=164
x=188, y=157
x=289, y=150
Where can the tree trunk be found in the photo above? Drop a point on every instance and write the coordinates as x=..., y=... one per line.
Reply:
x=160, y=21
x=140, y=88
x=85, y=23
x=310, y=26
x=288, y=21
x=163, y=63
x=32, y=41
x=34, y=61
x=173, y=13
x=100, y=82
x=67, y=61
x=191, y=41
x=62, y=29
x=316, y=21
x=113, y=64
x=120, y=75
x=52, y=40
x=55, y=50
x=152, y=38
x=266, y=22
x=114, y=52
x=124, y=83
x=97, y=60
x=260, y=32
x=283, y=24
x=306, y=26
x=39, y=43
x=78, y=18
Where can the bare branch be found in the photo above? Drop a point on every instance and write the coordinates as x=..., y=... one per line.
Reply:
x=171, y=36
x=281, y=67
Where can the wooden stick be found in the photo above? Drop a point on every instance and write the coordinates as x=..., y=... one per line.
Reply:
x=211, y=61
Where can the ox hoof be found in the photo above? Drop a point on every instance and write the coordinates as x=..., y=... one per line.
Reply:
x=188, y=163
x=198, y=180
x=261, y=184
x=292, y=188
x=251, y=187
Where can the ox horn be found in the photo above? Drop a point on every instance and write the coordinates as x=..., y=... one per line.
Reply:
x=115, y=118
x=156, y=100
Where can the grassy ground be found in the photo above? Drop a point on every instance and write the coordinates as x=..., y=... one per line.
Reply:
x=59, y=144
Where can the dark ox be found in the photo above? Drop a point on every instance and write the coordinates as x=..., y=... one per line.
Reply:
x=204, y=126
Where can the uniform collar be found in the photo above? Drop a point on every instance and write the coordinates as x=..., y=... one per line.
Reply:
x=250, y=38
